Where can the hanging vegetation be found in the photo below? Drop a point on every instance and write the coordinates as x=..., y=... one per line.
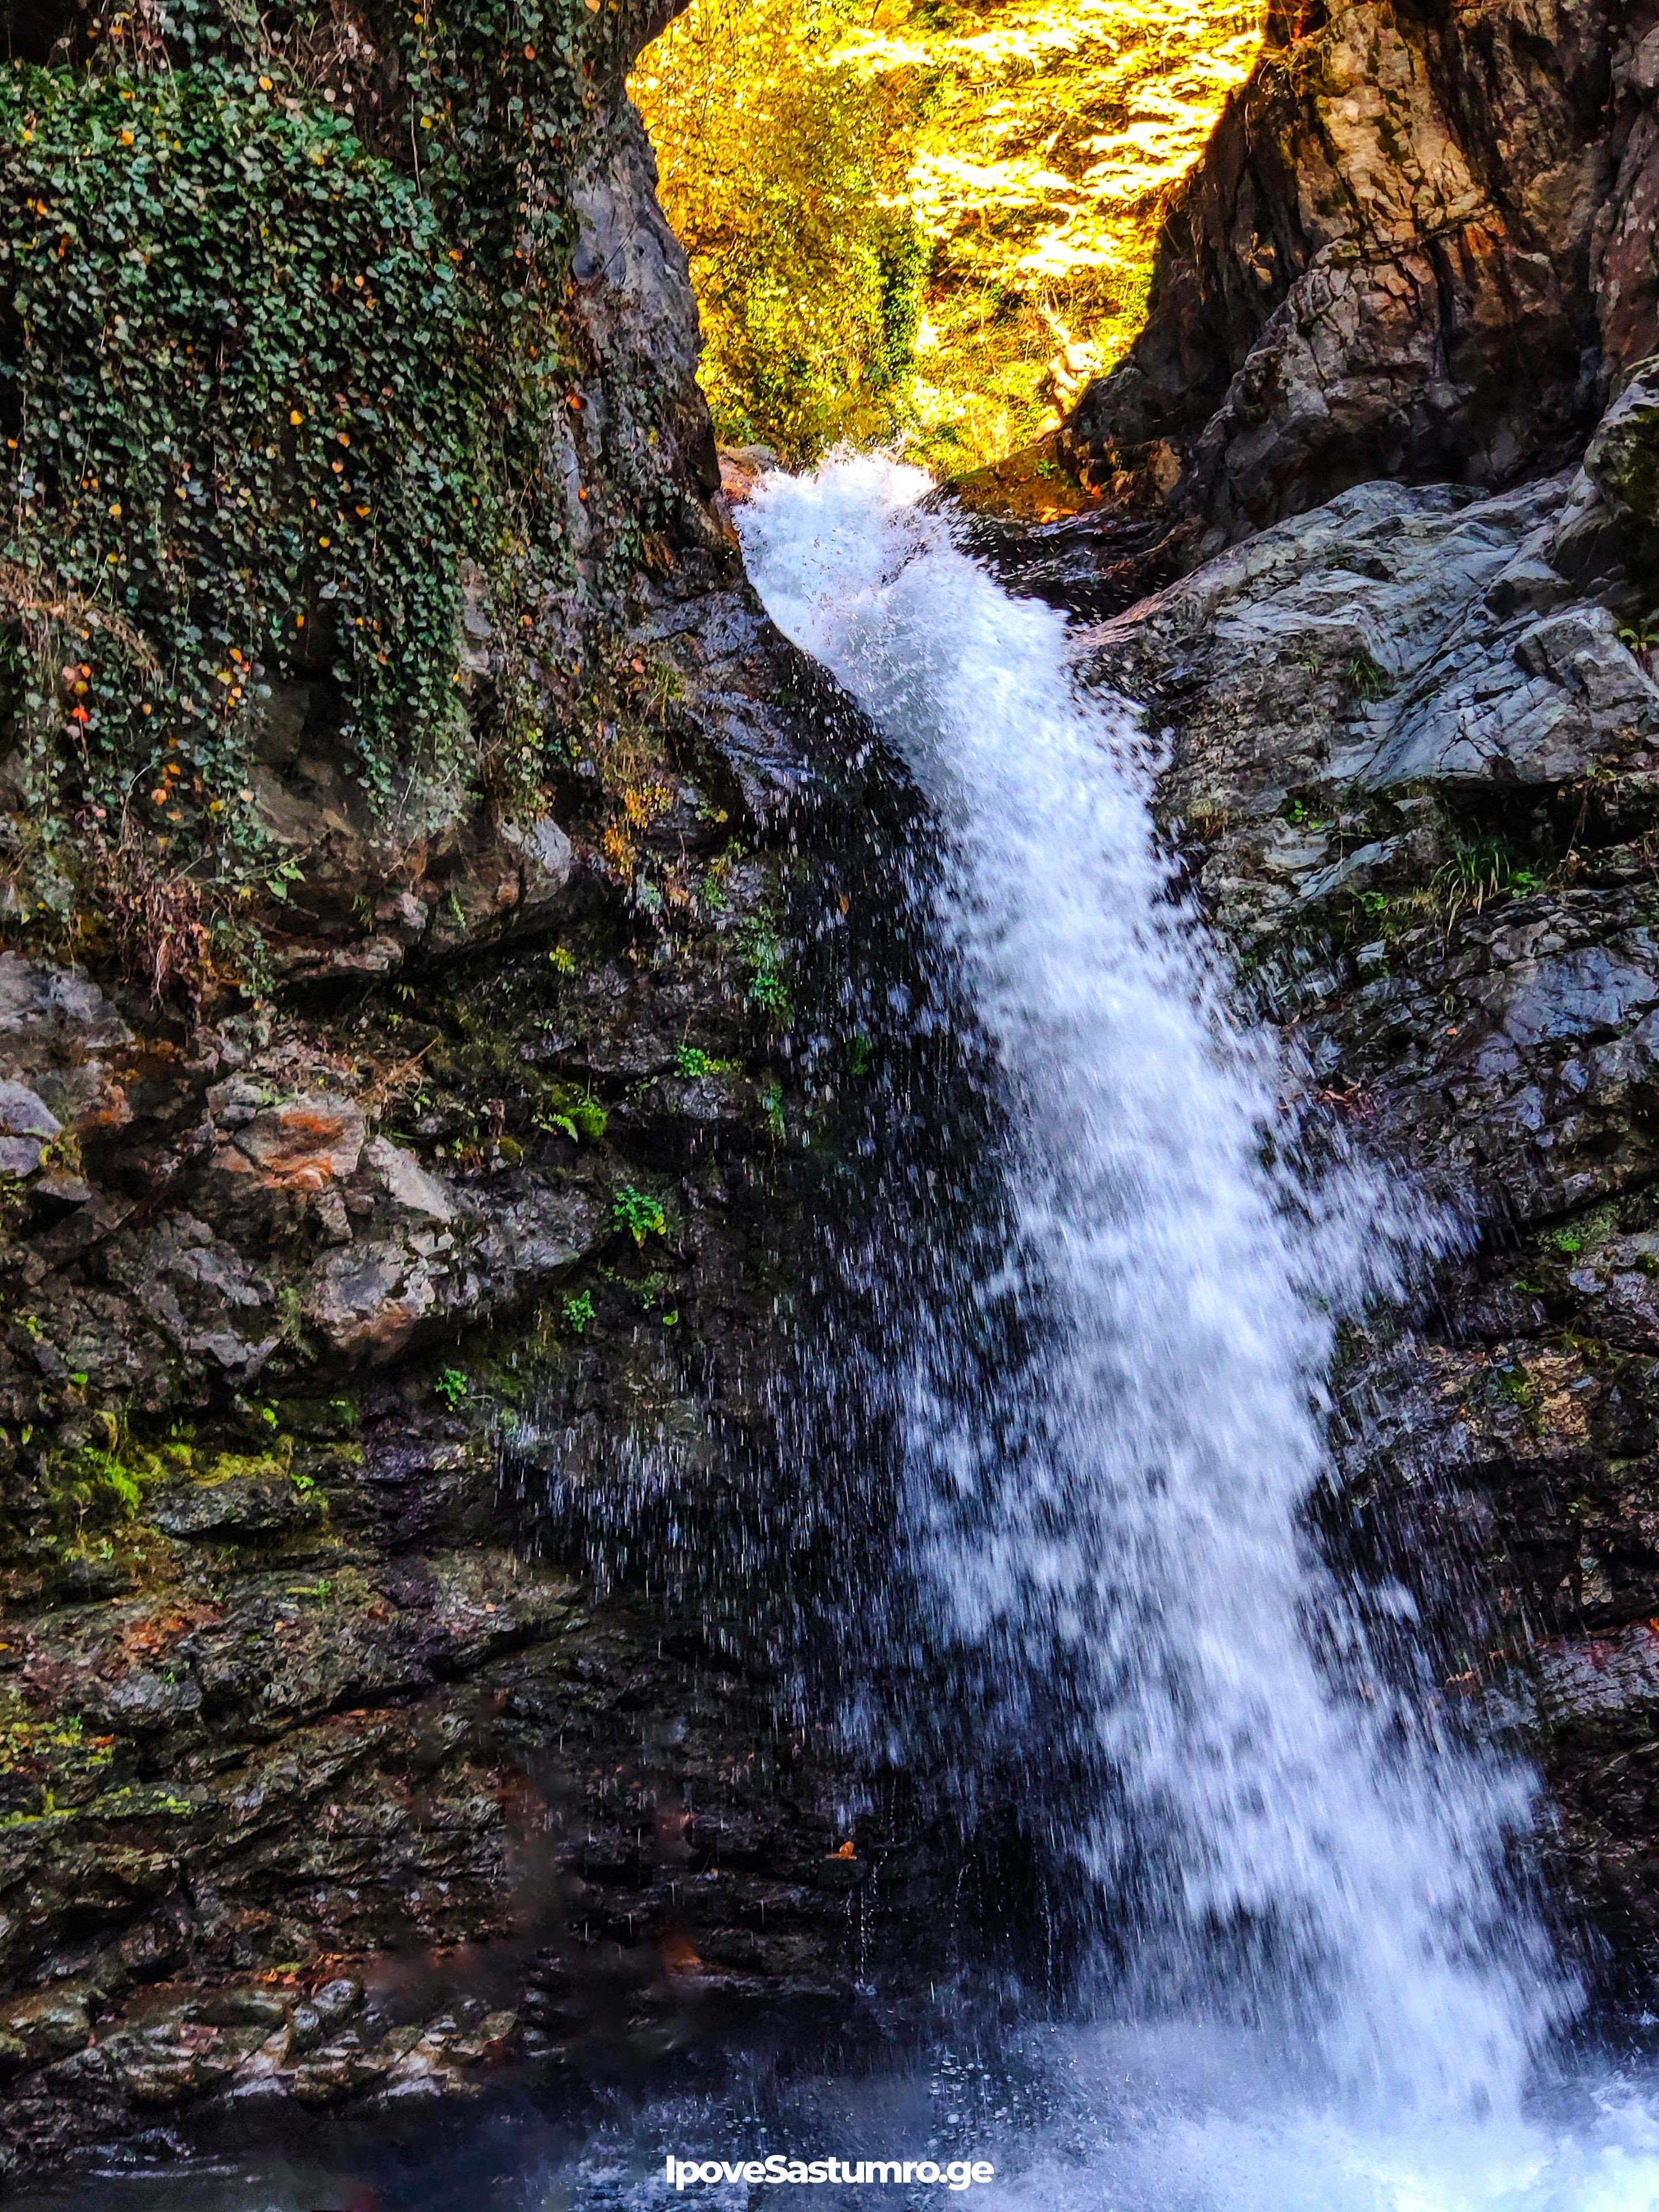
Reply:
x=248, y=400
x=286, y=334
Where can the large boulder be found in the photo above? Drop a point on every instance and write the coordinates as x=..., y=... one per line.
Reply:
x=1418, y=244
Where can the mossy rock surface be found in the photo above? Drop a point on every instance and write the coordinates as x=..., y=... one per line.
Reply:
x=1623, y=458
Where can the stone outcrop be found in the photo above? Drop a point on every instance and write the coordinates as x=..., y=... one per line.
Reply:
x=360, y=1765
x=1420, y=245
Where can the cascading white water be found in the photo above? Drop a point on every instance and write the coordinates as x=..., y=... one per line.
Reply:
x=1266, y=1799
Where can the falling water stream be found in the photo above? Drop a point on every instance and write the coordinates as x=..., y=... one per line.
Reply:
x=1144, y=1541
x=1303, y=1868
x=1316, y=1981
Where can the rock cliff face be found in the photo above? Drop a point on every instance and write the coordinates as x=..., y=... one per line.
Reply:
x=1420, y=245
x=385, y=1323
x=352, y=1364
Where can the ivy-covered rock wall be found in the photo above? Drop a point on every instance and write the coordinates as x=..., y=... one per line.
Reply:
x=329, y=447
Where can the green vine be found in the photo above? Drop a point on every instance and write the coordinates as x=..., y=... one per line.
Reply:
x=280, y=363
x=246, y=404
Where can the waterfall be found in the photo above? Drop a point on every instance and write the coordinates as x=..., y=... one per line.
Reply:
x=1104, y=1537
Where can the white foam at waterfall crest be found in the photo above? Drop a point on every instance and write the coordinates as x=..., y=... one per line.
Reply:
x=1133, y=1533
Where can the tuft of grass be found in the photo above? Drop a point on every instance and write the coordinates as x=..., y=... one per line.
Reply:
x=1365, y=677
x=1479, y=869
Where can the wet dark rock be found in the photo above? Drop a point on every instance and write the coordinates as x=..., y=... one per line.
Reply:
x=236, y=1507
x=49, y=2026
x=202, y=1294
